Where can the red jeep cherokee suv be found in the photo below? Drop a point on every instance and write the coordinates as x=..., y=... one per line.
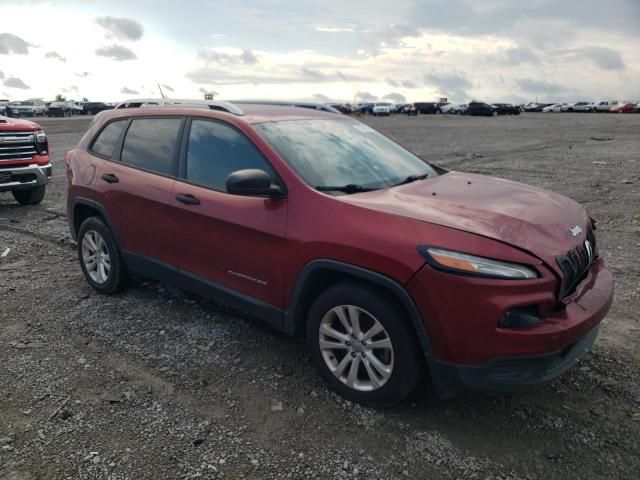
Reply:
x=25, y=169
x=318, y=224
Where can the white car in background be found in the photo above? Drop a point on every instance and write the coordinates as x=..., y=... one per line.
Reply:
x=556, y=107
x=604, y=106
x=382, y=109
x=577, y=107
x=458, y=109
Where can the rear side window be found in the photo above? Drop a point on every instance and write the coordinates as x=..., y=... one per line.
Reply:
x=215, y=150
x=151, y=144
x=107, y=139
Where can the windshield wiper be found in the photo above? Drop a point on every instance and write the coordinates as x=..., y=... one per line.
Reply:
x=350, y=188
x=411, y=178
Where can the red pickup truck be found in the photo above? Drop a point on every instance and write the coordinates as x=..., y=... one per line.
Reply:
x=25, y=168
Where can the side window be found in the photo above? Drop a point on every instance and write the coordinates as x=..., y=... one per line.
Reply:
x=215, y=150
x=105, y=142
x=151, y=144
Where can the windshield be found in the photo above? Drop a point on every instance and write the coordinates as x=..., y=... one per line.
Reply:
x=342, y=152
x=26, y=104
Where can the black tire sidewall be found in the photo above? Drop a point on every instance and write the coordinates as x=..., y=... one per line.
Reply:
x=408, y=364
x=32, y=196
x=117, y=272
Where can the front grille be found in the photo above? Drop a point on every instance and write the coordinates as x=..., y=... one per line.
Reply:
x=575, y=264
x=17, y=146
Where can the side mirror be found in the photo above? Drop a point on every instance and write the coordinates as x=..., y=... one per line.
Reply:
x=253, y=181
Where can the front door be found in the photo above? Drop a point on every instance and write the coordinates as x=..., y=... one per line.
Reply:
x=237, y=242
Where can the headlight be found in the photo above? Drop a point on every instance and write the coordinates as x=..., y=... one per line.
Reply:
x=42, y=144
x=463, y=263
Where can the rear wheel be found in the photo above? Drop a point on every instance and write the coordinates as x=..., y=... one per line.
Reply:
x=32, y=196
x=100, y=258
x=362, y=345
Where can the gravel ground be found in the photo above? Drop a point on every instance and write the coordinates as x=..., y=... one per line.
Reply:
x=158, y=384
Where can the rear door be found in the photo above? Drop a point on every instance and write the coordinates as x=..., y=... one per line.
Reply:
x=237, y=242
x=135, y=183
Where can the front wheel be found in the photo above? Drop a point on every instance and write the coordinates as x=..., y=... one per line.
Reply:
x=32, y=196
x=100, y=258
x=362, y=345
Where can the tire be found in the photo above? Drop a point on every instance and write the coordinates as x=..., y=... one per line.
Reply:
x=32, y=196
x=399, y=354
x=107, y=278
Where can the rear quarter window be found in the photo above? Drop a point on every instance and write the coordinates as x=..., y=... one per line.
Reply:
x=106, y=141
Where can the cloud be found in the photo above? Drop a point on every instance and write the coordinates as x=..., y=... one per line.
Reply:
x=129, y=91
x=320, y=97
x=604, y=58
x=71, y=89
x=1, y=75
x=396, y=97
x=450, y=84
x=403, y=83
x=366, y=97
x=10, y=43
x=540, y=86
x=82, y=74
x=13, y=82
x=315, y=74
x=116, y=52
x=518, y=55
x=246, y=57
x=121, y=28
x=281, y=74
x=55, y=55
x=333, y=28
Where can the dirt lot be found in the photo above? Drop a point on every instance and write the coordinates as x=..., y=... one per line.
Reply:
x=158, y=384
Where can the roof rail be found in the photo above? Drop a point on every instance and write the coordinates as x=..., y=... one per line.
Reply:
x=313, y=105
x=175, y=102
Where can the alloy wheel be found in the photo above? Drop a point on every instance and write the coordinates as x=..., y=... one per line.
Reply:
x=95, y=256
x=356, y=348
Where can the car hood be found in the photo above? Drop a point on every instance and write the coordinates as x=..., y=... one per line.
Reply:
x=526, y=217
x=8, y=123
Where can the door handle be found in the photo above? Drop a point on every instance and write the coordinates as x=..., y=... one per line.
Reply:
x=110, y=178
x=187, y=199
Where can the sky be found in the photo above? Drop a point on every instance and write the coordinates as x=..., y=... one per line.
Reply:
x=325, y=50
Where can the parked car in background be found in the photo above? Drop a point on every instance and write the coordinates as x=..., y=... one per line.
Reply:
x=365, y=108
x=506, y=109
x=91, y=108
x=341, y=107
x=426, y=108
x=26, y=108
x=636, y=109
x=410, y=110
x=579, y=107
x=535, y=107
x=555, y=108
x=3, y=106
x=459, y=109
x=25, y=168
x=623, y=107
x=480, y=109
x=381, y=109
x=59, y=109
x=77, y=108
x=605, y=106
x=491, y=285
x=447, y=108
